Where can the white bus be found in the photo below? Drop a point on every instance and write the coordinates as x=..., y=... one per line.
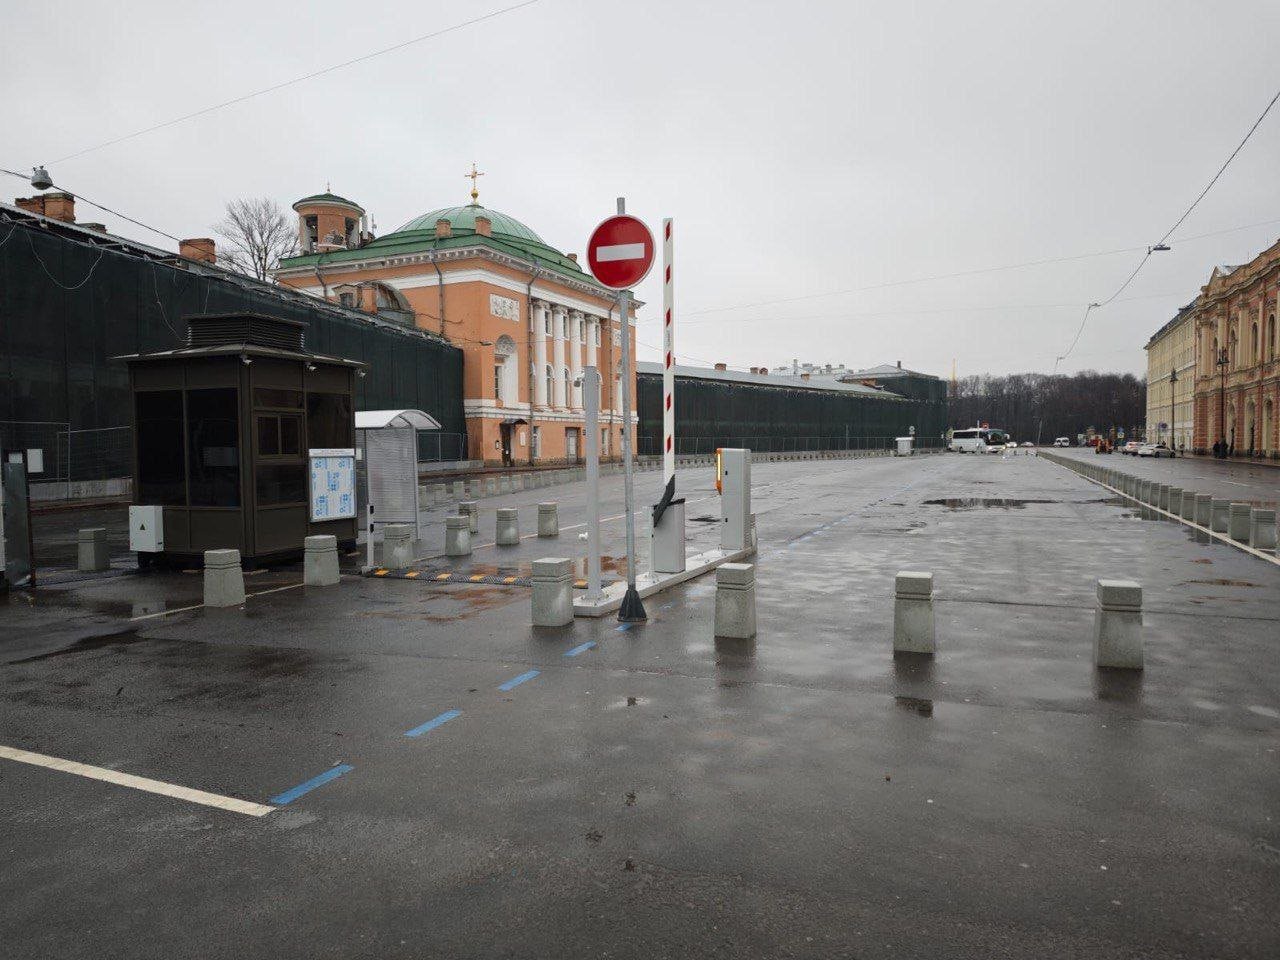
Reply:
x=978, y=440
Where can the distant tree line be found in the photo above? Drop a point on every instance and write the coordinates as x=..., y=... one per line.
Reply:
x=1039, y=407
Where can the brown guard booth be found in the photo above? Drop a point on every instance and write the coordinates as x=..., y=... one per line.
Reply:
x=221, y=432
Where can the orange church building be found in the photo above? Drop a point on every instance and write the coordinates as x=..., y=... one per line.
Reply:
x=527, y=317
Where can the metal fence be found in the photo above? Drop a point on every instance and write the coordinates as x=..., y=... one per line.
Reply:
x=435, y=446
x=651, y=446
x=70, y=464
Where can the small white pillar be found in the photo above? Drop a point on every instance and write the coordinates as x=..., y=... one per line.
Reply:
x=548, y=520
x=1262, y=529
x=913, y=627
x=93, y=554
x=736, y=601
x=457, y=536
x=1117, y=640
x=1188, y=510
x=459, y=489
x=397, y=545
x=471, y=510
x=440, y=492
x=320, y=561
x=1204, y=509
x=1221, y=516
x=552, y=592
x=507, y=527
x=223, y=578
x=1238, y=522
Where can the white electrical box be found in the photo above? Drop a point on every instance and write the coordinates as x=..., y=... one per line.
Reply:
x=146, y=529
x=735, y=498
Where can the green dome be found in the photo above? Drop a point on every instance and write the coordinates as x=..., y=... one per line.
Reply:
x=464, y=218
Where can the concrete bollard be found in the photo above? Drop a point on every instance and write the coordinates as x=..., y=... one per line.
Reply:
x=1238, y=522
x=507, y=527
x=1204, y=509
x=1145, y=488
x=471, y=510
x=457, y=536
x=1262, y=529
x=518, y=483
x=736, y=601
x=1220, y=516
x=320, y=561
x=426, y=498
x=1117, y=639
x=1188, y=508
x=490, y=486
x=459, y=489
x=475, y=489
x=504, y=484
x=548, y=520
x=223, y=578
x=397, y=545
x=1175, y=501
x=1163, y=502
x=552, y=592
x=92, y=550
x=440, y=491
x=913, y=628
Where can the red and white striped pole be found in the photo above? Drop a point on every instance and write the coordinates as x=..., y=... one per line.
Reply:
x=668, y=369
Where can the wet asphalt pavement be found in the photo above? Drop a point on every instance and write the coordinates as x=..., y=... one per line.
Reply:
x=660, y=793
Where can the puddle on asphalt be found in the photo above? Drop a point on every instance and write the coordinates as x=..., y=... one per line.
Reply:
x=915, y=704
x=1220, y=583
x=972, y=503
x=608, y=564
x=87, y=644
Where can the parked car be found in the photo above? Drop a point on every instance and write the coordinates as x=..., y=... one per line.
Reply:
x=1062, y=442
x=1156, y=450
x=1131, y=448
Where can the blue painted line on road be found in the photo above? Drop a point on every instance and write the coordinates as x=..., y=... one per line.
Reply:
x=580, y=648
x=333, y=773
x=433, y=723
x=516, y=681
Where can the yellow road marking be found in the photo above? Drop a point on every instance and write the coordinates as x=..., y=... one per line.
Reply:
x=444, y=576
x=477, y=578
x=411, y=574
x=379, y=573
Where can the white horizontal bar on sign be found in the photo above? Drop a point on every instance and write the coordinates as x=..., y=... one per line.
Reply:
x=137, y=783
x=620, y=251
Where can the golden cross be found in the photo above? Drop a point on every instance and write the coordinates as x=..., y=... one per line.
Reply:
x=475, y=194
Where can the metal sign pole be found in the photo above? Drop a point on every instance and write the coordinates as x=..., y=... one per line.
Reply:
x=632, y=609
x=591, y=394
x=668, y=369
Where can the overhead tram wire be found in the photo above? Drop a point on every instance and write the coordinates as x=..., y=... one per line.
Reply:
x=296, y=80
x=1160, y=244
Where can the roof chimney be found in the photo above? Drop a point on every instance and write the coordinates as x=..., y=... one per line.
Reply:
x=722, y=366
x=198, y=248
x=804, y=376
x=483, y=226
x=899, y=364
x=55, y=206
x=444, y=229
x=572, y=256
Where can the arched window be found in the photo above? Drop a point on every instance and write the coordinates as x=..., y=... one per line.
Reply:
x=1271, y=337
x=505, y=370
x=1253, y=344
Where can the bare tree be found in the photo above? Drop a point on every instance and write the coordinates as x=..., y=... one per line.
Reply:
x=257, y=234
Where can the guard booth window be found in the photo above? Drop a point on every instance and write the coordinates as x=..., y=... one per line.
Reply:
x=213, y=447
x=162, y=476
x=280, y=475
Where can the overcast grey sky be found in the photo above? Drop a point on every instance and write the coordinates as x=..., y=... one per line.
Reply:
x=806, y=149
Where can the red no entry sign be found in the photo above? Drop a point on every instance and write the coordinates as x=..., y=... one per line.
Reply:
x=620, y=252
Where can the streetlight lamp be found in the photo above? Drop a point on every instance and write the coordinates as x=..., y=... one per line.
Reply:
x=1173, y=411
x=1221, y=364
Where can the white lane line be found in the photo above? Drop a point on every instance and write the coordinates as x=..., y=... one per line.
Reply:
x=136, y=783
x=165, y=613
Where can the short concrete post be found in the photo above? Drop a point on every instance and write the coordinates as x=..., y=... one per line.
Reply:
x=1238, y=522
x=475, y=489
x=508, y=527
x=552, y=592
x=1188, y=510
x=1117, y=639
x=736, y=601
x=1175, y=501
x=913, y=629
x=1162, y=496
x=223, y=578
x=1204, y=509
x=1146, y=490
x=459, y=489
x=1262, y=529
x=471, y=510
x=1220, y=516
x=504, y=484
x=457, y=536
x=397, y=545
x=440, y=491
x=320, y=561
x=93, y=553
x=426, y=498
x=548, y=520
x=490, y=486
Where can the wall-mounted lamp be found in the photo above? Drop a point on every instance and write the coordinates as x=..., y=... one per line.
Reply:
x=245, y=360
x=311, y=368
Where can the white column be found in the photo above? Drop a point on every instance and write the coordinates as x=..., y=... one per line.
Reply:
x=539, y=331
x=558, y=400
x=593, y=331
x=575, y=358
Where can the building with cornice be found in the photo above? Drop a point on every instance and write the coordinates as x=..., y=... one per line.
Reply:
x=527, y=317
x=1237, y=368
